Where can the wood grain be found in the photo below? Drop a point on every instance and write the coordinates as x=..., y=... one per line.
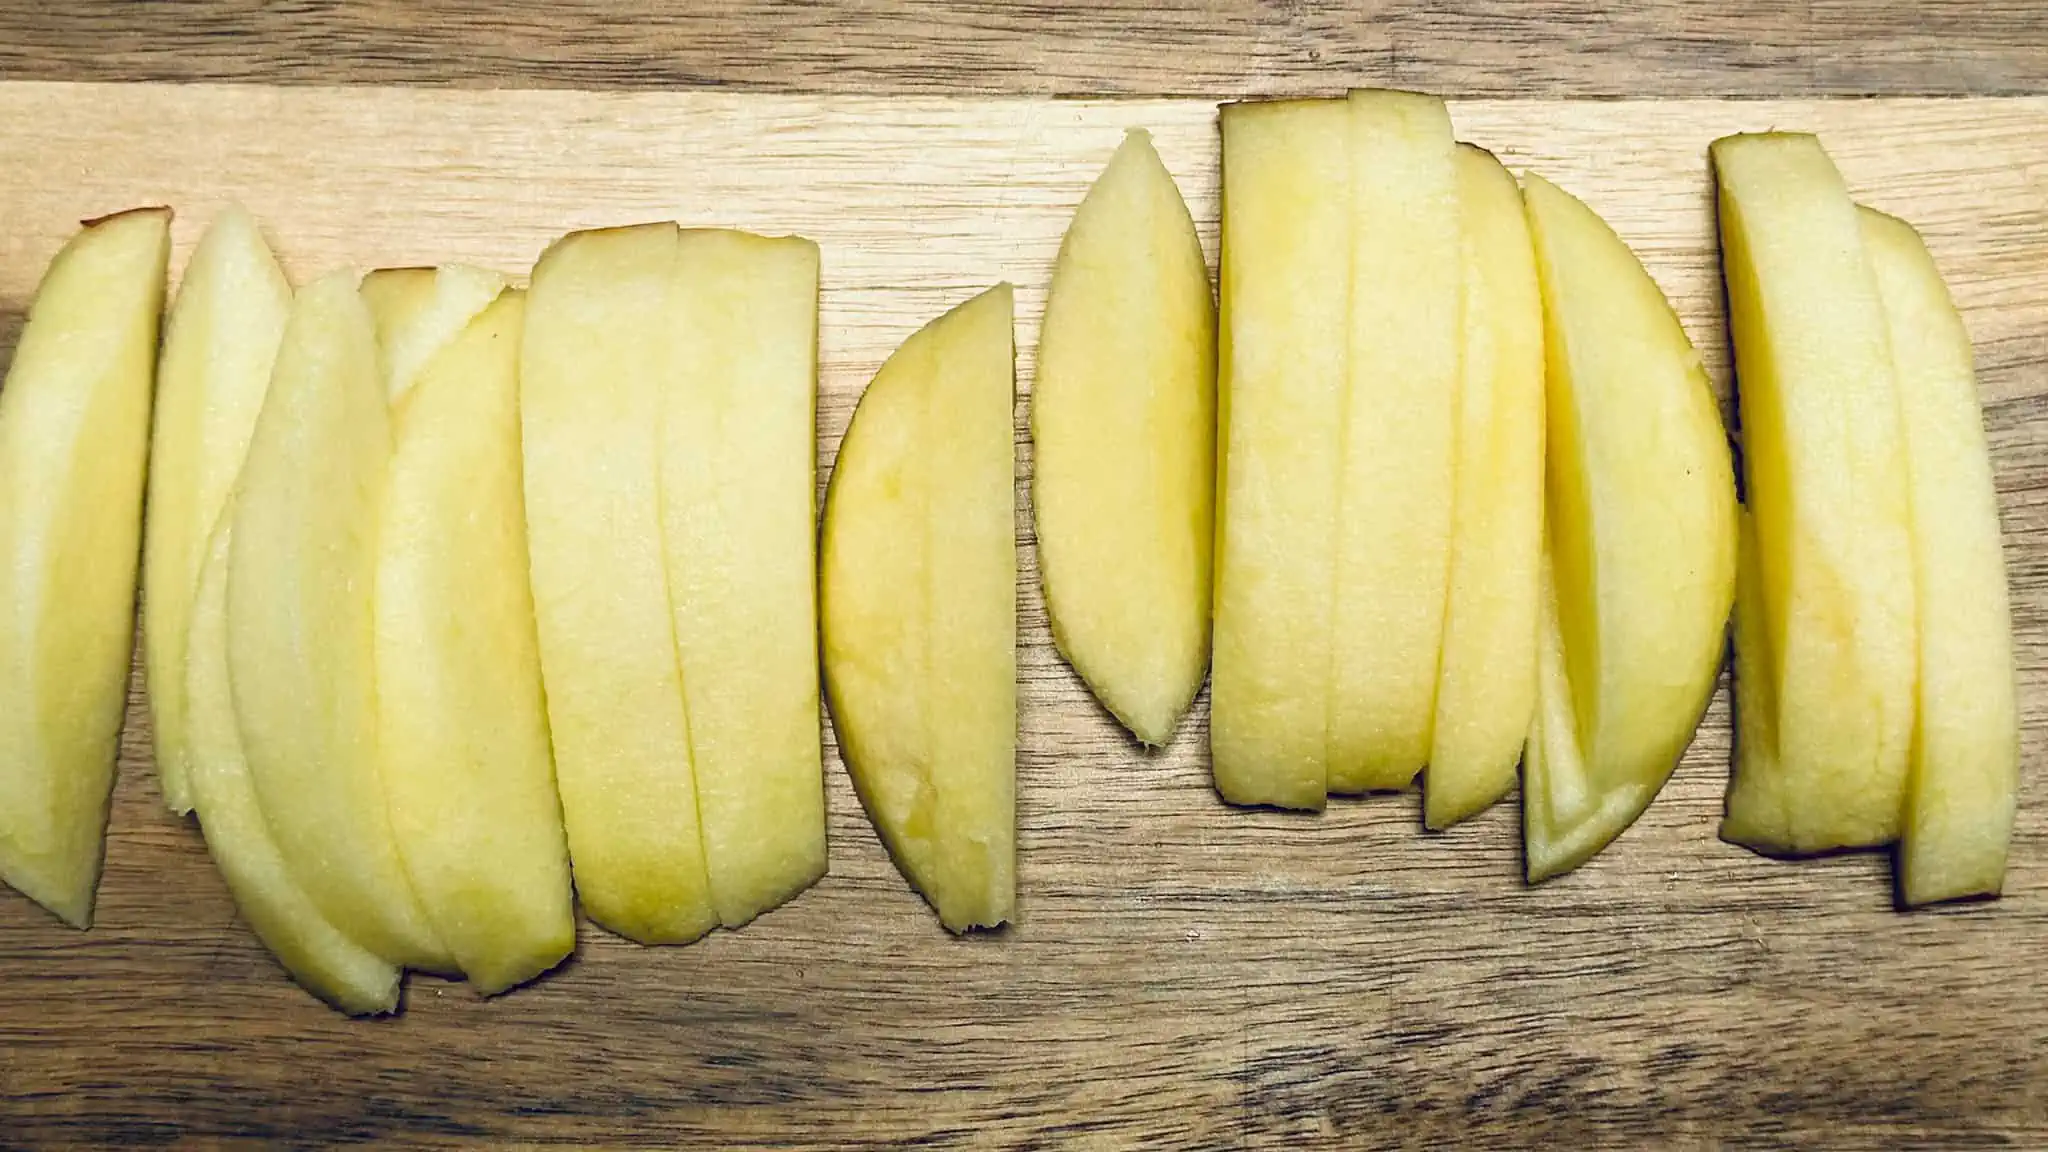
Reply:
x=1216, y=48
x=1184, y=975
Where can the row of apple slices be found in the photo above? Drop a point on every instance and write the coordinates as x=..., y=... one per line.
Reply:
x=1474, y=504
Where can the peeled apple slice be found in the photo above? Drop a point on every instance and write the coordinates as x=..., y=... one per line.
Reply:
x=419, y=310
x=1486, y=685
x=1640, y=535
x=1963, y=775
x=919, y=610
x=1123, y=429
x=596, y=356
x=464, y=735
x=322, y=958
x=738, y=488
x=1828, y=486
x=219, y=344
x=302, y=630
x=74, y=441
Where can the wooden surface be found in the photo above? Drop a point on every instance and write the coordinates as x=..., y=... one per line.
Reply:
x=1183, y=974
x=1214, y=48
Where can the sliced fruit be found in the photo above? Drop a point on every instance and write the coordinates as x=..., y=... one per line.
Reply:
x=1486, y=686
x=1640, y=533
x=322, y=958
x=920, y=610
x=419, y=310
x=1123, y=429
x=1393, y=495
x=219, y=344
x=301, y=629
x=739, y=451
x=463, y=729
x=1963, y=779
x=1826, y=464
x=1281, y=385
x=74, y=442
x=594, y=362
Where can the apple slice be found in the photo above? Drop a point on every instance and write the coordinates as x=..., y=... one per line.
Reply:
x=1827, y=475
x=1963, y=779
x=74, y=443
x=301, y=629
x=739, y=451
x=1393, y=496
x=419, y=310
x=595, y=359
x=1486, y=685
x=1281, y=382
x=463, y=729
x=219, y=344
x=1123, y=428
x=1640, y=532
x=322, y=958
x=920, y=610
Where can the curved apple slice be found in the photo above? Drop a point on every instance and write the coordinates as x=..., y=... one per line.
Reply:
x=219, y=344
x=919, y=610
x=74, y=445
x=1123, y=430
x=301, y=629
x=463, y=728
x=322, y=958
x=1486, y=685
x=1962, y=785
x=419, y=310
x=595, y=358
x=1640, y=536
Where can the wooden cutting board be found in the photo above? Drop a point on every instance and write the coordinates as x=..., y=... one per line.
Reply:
x=1183, y=974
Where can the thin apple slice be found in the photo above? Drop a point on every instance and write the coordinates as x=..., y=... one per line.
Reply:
x=1963, y=779
x=920, y=610
x=595, y=359
x=1639, y=530
x=1827, y=470
x=462, y=727
x=301, y=627
x=1486, y=686
x=739, y=451
x=74, y=445
x=1123, y=429
x=219, y=344
x=1393, y=499
x=419, y=310
x=322, y=958
x=1281, y=382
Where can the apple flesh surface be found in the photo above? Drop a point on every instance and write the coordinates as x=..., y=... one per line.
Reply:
x=74, y=444
x=919, y=610
x=419, y=310
x=219, y=344
x=1123, y=429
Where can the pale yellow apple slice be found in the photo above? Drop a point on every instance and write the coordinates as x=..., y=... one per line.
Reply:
x=301, y=628
x=1393, y=499
x=594, y=362
x=322, y=958
x=1123, y=430
x=919, y=610
x=738, y=491
x=1963, y=778
x=74, y=441
x=419, y=310
x=463, y=730
x=1281, y=364
x=1827, y=470
x=1640, y=532
x=1486, y=685
x=219, y=344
